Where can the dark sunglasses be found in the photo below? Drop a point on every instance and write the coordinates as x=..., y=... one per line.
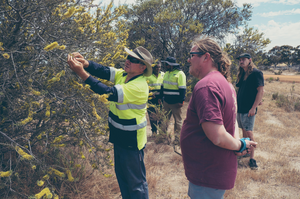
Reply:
x=196, y=53
x=133, y=60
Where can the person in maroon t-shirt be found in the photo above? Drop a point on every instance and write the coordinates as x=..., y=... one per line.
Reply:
x=209, y=137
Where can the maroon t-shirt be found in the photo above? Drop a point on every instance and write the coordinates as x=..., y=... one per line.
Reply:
x=205, y=164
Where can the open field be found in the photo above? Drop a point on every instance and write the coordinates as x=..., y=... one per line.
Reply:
x=277, y=155
x=284, y=78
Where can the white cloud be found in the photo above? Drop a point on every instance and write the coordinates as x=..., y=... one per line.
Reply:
x=281, y=33
x=256, y=3
x=287, y=2
x=283, y=12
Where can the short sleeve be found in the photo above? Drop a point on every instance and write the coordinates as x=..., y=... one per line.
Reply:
x=260, y=79
x=209, y=105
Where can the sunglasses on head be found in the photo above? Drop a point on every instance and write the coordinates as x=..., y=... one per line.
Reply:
x=196, y=53
x=133, y=60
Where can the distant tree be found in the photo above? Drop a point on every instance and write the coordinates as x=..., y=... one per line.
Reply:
x=167, y=27
x=286, y=52
x=296, y=55
x=250, y=41
x=51, y=125
x=274, y=55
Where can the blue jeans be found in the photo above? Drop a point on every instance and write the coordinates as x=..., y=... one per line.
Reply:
x=131, y=173
x=199, y=192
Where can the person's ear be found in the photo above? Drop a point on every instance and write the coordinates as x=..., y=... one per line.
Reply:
x=207, y=55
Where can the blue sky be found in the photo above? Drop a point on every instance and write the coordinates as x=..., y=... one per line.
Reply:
x=279, y=20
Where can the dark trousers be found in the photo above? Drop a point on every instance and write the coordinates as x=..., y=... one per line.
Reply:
x=131, y=173
x=153, y=122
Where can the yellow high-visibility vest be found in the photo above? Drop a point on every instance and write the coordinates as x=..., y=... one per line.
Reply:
x=127, y=117
x=172, y=82
x=155, y=82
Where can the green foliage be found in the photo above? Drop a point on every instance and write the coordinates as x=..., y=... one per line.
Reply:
x=250, y=41
x=51, y=124
x=168, y=27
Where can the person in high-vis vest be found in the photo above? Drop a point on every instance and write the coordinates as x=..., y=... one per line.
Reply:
x=173, y=91
x=127, y=116
x=155, y=82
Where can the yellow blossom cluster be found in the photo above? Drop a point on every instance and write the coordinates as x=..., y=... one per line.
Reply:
x=58, y=139
x=46, y=177
x=5, y=173
x=70, y=177
x=6, y=56
x=56, y=78
x=35, y=92
x=53, y=46
x=56, y=172
x=23, y=154
x=47, y=114
x=40, y=183
x=70, y=12
x=45, y=192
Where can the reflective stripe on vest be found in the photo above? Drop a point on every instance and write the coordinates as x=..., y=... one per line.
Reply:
x=120, y=93
x=172, y=83
x=155, y=92
x=171, y=93
x=112, y=74
x=127, y=127
x=130, y=106
x=157, y=84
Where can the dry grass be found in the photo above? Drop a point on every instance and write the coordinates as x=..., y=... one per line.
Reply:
x=277, y=155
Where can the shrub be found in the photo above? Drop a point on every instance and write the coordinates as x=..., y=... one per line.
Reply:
x=270, y=79
x=51, y=125
x=288, y=102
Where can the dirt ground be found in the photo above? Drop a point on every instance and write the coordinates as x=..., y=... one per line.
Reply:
x=284, y=77
x=277, y=156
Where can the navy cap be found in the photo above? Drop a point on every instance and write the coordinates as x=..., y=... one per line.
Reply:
x=247, y=55
x=171, y=61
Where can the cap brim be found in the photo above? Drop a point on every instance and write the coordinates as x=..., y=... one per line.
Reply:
x=149, y=67
x=171, y=64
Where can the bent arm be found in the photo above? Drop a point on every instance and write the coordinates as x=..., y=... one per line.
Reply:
x=218, y=135
x=258, y=99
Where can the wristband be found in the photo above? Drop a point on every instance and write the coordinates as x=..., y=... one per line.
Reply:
x=243, y=144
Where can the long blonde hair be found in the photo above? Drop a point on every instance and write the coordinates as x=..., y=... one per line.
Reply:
x=247, y=73
x=220, y=58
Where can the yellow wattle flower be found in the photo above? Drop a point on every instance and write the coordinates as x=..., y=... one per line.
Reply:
x=5, y=173
x=70, y=177
x=70, y=12
x=58, y=173
x=51, y=46
x=6, y=56
x=23, y=154
x=46, y=192
x=46, y=177
x=77, y=165
x=40, y=183
x=62, y=47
